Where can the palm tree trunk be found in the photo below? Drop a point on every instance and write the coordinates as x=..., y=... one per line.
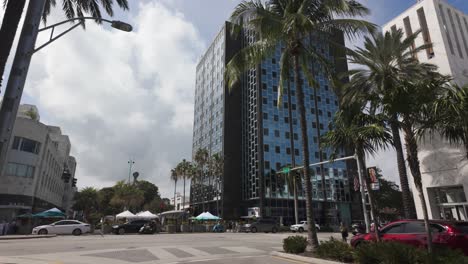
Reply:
x=175, y=190
x=13, y=12
x=413, y=162
x=296, y=201
x=370, y=193
x=405, y=191
x=293, y=155
x=322, y=172
x=183, y=196
x=312, y=232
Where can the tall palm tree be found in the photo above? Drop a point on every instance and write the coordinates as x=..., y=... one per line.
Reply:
x=183, y=172
x=201, y=158
x=452, y=111
x=71, y=8
x=353, y=129
x=417, y=99
x=385, y=61
x=217, y=170
x=289, y=23
x=174, y=177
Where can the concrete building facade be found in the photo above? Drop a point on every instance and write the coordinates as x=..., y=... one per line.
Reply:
x=444, y=167
x=257, y=138
x=179, y=203
x=39, y=172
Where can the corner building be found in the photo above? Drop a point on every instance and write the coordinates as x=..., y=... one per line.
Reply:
x=39, y=172
x=257, y=138
x=444, y=166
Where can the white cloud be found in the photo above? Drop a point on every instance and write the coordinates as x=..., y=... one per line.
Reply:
x=122, y=95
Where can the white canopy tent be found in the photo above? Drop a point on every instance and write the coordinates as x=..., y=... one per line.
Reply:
x=146, y=215
x=126, y=214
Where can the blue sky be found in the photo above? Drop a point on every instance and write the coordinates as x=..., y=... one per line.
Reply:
x=130, y=95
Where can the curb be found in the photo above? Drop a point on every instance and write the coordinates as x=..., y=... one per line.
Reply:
x=302, y=258
x=25, y=237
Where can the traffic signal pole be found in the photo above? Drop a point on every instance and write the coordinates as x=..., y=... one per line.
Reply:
x=361, y=180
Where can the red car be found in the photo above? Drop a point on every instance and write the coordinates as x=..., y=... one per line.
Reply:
x=451, y=234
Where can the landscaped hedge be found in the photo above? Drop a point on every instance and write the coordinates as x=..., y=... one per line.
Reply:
x=335, y=250
x=375, y=253
x=398, y=253
x=295, y=244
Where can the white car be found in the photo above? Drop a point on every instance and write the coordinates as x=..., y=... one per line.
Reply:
x=67, y=227
x=302, y=227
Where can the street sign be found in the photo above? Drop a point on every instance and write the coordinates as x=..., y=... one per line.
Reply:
x=286, y=170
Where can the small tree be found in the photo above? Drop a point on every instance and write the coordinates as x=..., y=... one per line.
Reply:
x=86, y=201
x=127, y=196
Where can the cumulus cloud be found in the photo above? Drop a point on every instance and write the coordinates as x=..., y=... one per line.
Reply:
x=122, y=95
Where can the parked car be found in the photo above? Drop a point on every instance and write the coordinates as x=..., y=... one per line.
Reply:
x=261, y=225
x=301, y=227
x=129, y=227
x=67, y=227
x=449, y=234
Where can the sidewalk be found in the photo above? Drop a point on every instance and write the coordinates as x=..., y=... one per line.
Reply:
x=25, y=237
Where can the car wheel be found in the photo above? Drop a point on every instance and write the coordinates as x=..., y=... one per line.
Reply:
x=76, y=232
x=294, y=231
x=121, y=231
x=301, y=230
x=253, y=230
x=43, y=232
x=274, y=230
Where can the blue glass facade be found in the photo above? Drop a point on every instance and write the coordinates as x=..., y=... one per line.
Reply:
x=261, y=144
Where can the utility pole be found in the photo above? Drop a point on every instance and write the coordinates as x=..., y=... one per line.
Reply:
x=17, y=79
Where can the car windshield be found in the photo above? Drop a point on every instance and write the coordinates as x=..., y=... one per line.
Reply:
x=304, y=222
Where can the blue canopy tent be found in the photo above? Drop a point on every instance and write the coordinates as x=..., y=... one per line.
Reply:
x=51, y=213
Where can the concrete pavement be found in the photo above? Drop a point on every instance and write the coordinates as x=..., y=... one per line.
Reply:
x=146, y=249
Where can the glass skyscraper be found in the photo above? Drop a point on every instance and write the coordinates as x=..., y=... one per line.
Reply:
x=257, y=137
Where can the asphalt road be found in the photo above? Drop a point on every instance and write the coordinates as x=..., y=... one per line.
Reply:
x=209, y=248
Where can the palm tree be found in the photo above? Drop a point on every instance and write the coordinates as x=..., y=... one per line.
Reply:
x=71, y=8
x=290, y=23
x=174, y=177
x=386, y=60
x=452, y=112
x=217, y=170
x=201, y=159
x=417, y=99
x=183, y=172
x=353, y=129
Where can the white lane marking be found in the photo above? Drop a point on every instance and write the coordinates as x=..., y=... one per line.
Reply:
x=161, y=253
x=243, y=249
x=194, y=251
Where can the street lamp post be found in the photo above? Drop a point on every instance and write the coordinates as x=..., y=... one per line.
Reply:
x=20, y=67
x=130, y=165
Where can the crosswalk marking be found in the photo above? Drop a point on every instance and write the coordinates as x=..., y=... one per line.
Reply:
x=194, y=251
x=161, y=253
x=243, y=249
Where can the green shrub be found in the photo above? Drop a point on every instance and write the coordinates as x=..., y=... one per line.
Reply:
x=335, y=250
x=295, y=244
x=397, y=253
x=388, y=253
x=446, y=256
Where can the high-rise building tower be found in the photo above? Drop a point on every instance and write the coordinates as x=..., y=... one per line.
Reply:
x=443, y=166
x=257, y=138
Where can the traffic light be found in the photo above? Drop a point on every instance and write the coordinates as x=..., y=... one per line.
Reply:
x=74, y=182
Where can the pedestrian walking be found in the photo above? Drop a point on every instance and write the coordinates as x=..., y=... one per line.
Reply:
x=344, y=232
